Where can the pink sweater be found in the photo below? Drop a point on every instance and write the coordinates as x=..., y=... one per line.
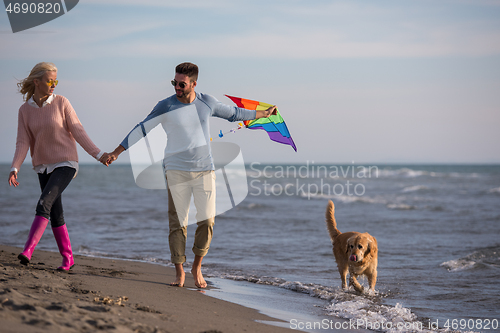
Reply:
x=49, y=133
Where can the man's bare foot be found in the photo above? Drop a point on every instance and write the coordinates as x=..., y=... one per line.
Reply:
x=199, y=281
x=180, y=276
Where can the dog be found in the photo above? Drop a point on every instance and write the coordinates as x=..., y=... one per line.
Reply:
x=354, y=252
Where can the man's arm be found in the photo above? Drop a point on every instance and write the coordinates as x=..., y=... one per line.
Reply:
x=138, y=132
x=233, y=113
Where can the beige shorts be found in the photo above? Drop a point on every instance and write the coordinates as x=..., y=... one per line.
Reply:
x=185, y=184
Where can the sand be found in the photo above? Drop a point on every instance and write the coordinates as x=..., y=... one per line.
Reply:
x=105, y=295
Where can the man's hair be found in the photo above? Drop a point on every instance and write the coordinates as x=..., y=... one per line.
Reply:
x=188, y=69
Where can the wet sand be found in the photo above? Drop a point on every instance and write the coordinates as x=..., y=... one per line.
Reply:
x=111, y=296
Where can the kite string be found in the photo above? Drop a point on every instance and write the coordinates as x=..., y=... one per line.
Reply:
x=233, y=130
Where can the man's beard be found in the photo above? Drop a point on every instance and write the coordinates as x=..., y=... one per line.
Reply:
x=182, y=94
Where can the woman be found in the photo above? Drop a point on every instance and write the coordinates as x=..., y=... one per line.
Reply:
x=48, y=126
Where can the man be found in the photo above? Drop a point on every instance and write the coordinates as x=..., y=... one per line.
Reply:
x=188, y=164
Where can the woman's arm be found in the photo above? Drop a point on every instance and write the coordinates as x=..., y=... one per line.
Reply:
x=79, y=133
x=22, y=146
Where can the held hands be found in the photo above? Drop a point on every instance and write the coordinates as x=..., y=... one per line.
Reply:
x=13, y=179
x=108, y=158
x=112, y=157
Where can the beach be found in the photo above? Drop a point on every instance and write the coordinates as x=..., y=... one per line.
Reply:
x=436, y=226
x=110, y=296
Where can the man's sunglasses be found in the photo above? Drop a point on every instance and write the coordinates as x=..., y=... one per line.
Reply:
x=52, y=83
x=181, y=84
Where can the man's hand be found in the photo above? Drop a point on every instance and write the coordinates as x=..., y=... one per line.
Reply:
x=266, y=113
x=13, y=179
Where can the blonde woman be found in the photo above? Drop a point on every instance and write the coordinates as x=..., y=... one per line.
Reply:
x=48, y=127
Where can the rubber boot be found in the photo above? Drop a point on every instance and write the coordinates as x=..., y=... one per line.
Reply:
x=37, y=228
x=62, y=238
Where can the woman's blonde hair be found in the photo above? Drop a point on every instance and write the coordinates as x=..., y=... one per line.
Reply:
x=27, y=86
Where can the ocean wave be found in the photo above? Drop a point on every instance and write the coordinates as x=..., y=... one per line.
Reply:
x=458, y=264
x=347, y=304
x=414, y=188
x=346, y=198
x=367, y=313
x=401, y=206
x=312, y=289
x=487, y=257
x=463, y=175
x=382, y=318
x=411, y=173
x=86, y=251
x=495, y=190
x=405, y=172
x=251, y=206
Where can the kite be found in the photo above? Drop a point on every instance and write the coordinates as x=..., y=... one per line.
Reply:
x=274, y=125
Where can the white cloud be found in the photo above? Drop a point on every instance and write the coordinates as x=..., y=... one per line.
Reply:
x=313, y=44
x=298, y=44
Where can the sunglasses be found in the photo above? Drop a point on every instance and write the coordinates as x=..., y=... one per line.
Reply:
x=181, y=84
x=52, y=83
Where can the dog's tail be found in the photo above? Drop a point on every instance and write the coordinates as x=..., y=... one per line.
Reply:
x=331, y=224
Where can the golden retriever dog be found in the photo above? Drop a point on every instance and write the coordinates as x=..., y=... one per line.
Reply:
x=354, y=252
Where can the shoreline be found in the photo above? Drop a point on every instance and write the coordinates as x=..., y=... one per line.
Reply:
x=112, y=295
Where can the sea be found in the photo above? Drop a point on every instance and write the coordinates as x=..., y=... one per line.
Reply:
x=437, y=227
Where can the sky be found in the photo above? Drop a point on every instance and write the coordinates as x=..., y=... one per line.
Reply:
x=365, y=82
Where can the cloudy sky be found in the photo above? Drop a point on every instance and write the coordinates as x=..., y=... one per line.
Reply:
x=413, y=81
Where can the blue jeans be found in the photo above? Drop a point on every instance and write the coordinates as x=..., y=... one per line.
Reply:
x=52, y=185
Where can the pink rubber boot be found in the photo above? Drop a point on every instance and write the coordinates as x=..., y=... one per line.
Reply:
x=64, y=245
x=37, y=228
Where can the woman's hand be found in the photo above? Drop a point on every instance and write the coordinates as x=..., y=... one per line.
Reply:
x=104, y=159
x=13, y=179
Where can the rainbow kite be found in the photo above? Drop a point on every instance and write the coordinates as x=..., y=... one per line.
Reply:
x=274, y=125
